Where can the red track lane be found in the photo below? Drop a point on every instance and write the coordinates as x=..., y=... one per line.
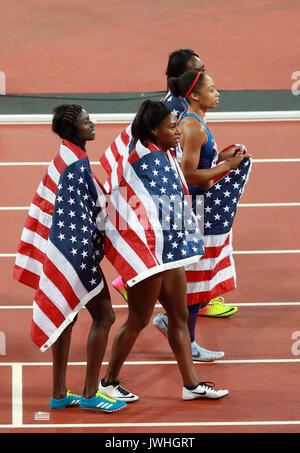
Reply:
x=268, y=183
x=240, y=337
x=245, y=45
x=38, y=143
x=265, y=140
x=260, y=278
x=6, y=395
x=254, y=228
x=254, y=332
x=263, y=381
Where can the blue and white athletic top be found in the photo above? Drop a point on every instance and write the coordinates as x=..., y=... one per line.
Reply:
x=208, y=155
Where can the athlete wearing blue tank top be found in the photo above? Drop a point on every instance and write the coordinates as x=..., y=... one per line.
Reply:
x=201, y=163
x=180, y=62
x=200, y=159
x=208, y=155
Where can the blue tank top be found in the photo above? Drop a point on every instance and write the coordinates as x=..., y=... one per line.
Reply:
x=208, y=154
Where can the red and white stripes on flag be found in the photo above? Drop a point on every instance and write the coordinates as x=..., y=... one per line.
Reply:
x=215, y=273
x=115, y=158
x=46, y=257
x=34, y=239
x=137, y=242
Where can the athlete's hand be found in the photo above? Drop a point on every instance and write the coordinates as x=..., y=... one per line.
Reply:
x=231, y=151
x=235, y=161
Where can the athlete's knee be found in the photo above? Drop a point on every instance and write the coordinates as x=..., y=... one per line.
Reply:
x=139, y=322
x=101, y=311
x=104, y=319
x=142, y=322
x=178, y=318
x=110, y=318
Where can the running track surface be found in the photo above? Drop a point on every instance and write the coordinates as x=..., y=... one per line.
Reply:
x=75, y=47
x=93, y=49
x=261, y=363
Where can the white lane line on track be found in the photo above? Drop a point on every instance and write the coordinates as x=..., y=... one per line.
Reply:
x=163, y=362
x=237, y=252
x=241, y=205
x=14, y=208
x=124, y=118
x=241, y=304
x=281, y=160
x=264, y=252
x=17, y=403
x=26, y=164
x=267, y=205
x=17, y=390
x=17, y=164
x=157, y=424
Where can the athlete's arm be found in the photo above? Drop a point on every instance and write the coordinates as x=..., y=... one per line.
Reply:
x=193, y=138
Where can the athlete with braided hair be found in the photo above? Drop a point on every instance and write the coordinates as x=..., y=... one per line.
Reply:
x=59, y=256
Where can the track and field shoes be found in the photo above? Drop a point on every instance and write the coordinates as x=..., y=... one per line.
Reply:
x=120, y=286
x=70, y=400
x=205, y=355
x=117, y=392
x=199, y=354
x=102, y=402
x=203, y=390
x=161, y=323
x=217, y=309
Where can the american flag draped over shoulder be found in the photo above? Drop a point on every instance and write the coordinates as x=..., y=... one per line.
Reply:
x=177, y=105
x=62, y=244
x=215, y=273
x=150, y=225
x=115, y=157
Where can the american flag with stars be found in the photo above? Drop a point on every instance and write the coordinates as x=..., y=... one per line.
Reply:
x=215, y=211
x=215, y=273
x=177, y=105
x=150, y=226
x=62, y=244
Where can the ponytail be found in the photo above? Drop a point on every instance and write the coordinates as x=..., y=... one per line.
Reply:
x=187, y=83
x=174, y=86
x=150, y=115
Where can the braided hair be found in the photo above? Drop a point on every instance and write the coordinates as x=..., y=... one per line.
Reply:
x=64, y=123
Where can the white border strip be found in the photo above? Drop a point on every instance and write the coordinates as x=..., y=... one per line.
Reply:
x=116, y=118
x=148, y=425
x=241, y=205
x=25, y=164
x=241, y=304
x=17, y=391
x=17, y=400
x=236, y=252
x=265, y=205
x=261, y=252
x=161, y=362
x=281, y=160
